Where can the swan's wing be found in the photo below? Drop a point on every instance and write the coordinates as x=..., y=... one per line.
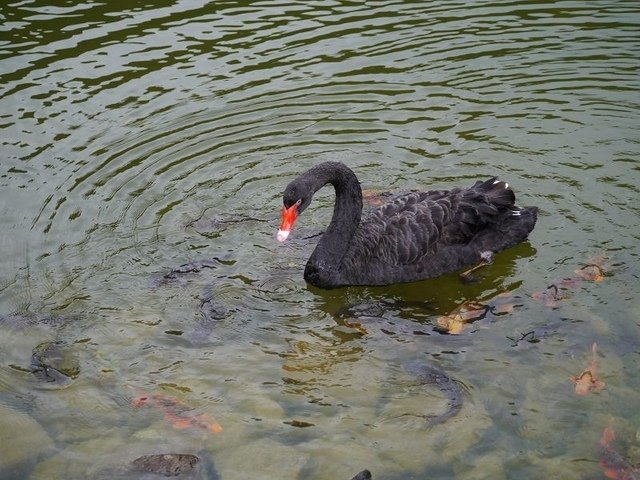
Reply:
x=414, y=225
x=406, y=229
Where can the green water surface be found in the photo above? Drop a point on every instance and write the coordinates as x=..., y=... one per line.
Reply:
x=140, y=136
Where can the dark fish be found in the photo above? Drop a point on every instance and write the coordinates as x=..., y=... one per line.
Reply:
x=210, y=308
x=432, y=376
x=361, y=315
x=213, y=227
x=299, y=423
x=31, y=319
x=53, y=362
x=179, y=272
x=192, y=267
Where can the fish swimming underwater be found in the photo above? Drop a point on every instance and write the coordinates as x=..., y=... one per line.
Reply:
x=588, y=380
x=178, y=413
x=430, y=375
x=615, y=466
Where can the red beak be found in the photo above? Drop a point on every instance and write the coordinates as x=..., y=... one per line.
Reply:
x=289, y=217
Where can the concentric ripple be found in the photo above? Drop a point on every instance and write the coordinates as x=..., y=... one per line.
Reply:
x=143, y=136
x=135, y=112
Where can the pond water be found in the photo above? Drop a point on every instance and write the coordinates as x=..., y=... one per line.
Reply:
x=137, y=138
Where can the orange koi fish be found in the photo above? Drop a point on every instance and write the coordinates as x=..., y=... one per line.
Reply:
x=615, y=466
x=550, y=296
x=473, y=310
x=178, y=413
x=468, y=312
x=588, y=380
x=592, y=271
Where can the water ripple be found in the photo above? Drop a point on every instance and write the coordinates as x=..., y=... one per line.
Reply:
x=142, y=137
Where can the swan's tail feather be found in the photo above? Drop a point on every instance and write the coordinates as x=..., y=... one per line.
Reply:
x=498, y=192
x=511, y=228
x=492, y=202
x=516, y=226
x=490, y=198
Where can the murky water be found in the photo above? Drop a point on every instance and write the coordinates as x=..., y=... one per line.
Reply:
x=136, y=139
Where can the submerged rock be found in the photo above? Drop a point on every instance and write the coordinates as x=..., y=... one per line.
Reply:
x=23, y=440
x=363, y=475
x=263, y=459
x=167, y=464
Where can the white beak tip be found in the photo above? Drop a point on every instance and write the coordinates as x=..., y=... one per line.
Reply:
x=282, y=235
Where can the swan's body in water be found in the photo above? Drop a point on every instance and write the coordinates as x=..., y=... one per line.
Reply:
x=414, y=236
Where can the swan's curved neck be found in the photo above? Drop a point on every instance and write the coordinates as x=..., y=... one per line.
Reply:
x=327, y=257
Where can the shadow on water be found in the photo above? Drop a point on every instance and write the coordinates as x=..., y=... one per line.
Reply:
x=434, y=296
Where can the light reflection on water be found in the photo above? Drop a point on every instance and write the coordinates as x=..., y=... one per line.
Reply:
x=137, y=139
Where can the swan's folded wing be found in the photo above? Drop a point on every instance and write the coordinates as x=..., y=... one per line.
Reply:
x=402, y=232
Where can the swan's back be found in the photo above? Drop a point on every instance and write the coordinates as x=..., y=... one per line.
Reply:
x=425, y=234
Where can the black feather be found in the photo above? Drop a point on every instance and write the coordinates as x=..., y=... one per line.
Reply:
x=415, y=236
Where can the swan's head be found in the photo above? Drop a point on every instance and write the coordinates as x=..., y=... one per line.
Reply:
x=296, y=198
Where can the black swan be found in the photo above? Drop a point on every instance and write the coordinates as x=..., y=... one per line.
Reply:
x=414, y=236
